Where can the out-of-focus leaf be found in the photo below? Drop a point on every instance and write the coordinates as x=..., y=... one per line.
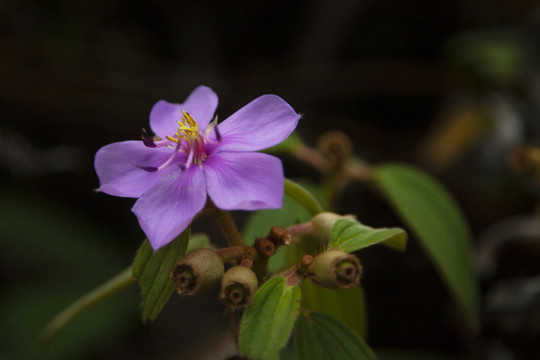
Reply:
x=286, y=147
x=302, y=196
x=152, y=268
x=346, y=305
x=318, y=336
x=268, y=321
x=53, y=251
x=101, y=293
x=259, y=224
x=489, y=57
x=349, y=235
x=438, y=224
x=197, y=241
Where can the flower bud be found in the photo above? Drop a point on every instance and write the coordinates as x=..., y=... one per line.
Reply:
x=335, y=269
x=238, y=285
x=199, y=271
x=322, y=225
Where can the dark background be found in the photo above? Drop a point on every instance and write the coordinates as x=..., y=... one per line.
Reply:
x=77, y=75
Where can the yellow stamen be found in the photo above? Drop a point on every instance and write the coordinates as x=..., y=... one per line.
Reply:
x=188, y=129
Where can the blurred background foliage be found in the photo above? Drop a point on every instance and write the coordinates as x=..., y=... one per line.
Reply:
x=451, y=86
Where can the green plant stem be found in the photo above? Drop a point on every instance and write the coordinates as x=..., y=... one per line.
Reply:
x=302, y=196
x=102, y=292
x=229, y=227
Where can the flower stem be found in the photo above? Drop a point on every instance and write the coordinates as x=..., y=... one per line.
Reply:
x=229, y=227
x=300, y=229
x=102, y=292
x=302, y=196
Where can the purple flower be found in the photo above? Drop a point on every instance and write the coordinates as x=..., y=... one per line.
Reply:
x=190, y=157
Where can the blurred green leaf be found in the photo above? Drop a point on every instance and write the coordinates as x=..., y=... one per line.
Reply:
x=54, y=254
x=101, y=293
x=268, y=321
x=438, y=224
x=349, y=235
x=346, y=305
x=490, y=56
x=152, y=268
x=197, y=241
x=286, y=147
x=259, y=224
x=318, y=336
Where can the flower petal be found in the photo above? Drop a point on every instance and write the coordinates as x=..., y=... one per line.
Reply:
x=201, y=104
x=264, y=122
x=244, y=181
x=116, y=166
x=168, y=207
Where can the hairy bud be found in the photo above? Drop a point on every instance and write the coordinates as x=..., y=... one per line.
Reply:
x=335, y=269
x=238, y=285
x=322, y=225
x=199, y=271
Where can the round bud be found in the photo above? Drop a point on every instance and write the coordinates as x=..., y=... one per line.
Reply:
x=322, y=225
x=238, y=285
x=199, y=271
x=335, y=269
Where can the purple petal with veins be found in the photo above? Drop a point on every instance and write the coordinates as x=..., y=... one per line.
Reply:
x=167, y=208
x=172, y=176
x=264, y=122
x=244, y=181
x=201, y=104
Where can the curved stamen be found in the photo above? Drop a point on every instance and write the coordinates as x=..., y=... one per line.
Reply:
x=218, y=134
x=171, y=158
x=149, y=141
x=188, y=139
x=190, y=158
x=160, y=167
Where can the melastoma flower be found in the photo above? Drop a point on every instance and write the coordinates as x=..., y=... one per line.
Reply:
x=190, y=157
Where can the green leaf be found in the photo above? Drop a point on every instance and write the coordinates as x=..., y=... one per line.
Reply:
x=303, y=197
x=268, y=321
x=346, y=305
x=318, y=336
x=97, y=295
x=349, y=235
x=58, y=253
x=439, y=225
x=152, y=268
x=260, y=222
x=197, y=241
x=289, y=146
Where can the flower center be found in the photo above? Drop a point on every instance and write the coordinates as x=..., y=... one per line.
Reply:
x=190, y=140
